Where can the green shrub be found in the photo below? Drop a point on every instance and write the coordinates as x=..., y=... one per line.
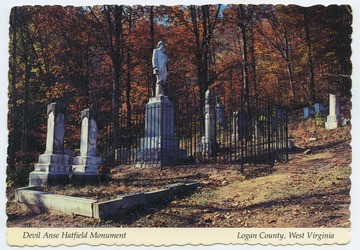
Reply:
x=319, y=121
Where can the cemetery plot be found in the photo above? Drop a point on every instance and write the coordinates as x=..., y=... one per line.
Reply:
x=124, y=180
x=311, y=190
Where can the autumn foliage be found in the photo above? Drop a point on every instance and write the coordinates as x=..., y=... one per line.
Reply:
x=100, y=57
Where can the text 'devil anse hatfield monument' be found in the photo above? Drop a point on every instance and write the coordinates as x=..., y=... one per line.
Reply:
x=159, y=145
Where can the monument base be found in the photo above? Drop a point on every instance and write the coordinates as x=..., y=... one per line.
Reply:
x=37, y=178
x=53, y=163
x=156, y=157
x=86, y=164
x=159, y=118
x=85, y=170
x=331, y=122
x=51, y=169
x=159, y=146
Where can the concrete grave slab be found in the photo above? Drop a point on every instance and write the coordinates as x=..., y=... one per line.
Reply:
x=55, y=202
x=32, y=198
x=107, y=208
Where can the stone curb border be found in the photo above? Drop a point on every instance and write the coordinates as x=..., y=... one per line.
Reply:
x=42, y=201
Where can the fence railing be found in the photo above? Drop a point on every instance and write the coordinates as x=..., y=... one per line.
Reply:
x=237, y=129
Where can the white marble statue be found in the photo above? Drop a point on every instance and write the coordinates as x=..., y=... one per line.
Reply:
x=160, y=67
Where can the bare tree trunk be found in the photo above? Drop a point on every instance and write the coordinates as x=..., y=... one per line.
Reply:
x=342, y=51
x=289, y=65
x=245, y=71
x=116, y=59
x=253, y=59
x=26, y=102
x=245, y=60
x=128, y=79
x=11, y=159
x=202, y=28
x=309, y=52
x=242, y=25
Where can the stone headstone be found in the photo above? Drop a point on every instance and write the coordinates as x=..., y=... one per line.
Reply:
x=308, y=111
x=87, y=162
x=53, y=166
x=207, y=143
x=277, y=118
x=55, y=128
x=235, y=126
x=220, y=114
x=334, y=113
x=260, y=125
x=319, y=108
x=291, y=144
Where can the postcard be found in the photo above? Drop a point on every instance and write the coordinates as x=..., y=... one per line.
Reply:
x=159, y=124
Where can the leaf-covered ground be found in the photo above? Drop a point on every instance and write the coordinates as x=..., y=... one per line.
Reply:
x=310, y=190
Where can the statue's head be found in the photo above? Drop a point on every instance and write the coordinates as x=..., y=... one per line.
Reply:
x=162, y=46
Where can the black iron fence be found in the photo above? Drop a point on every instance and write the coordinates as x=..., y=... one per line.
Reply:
x=236, y=129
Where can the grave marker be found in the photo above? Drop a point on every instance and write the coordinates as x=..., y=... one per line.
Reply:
x=334, y=113
x=319, y=108
x=207, y=144
x=87, y=163
x=53, y=166
x=308, y=111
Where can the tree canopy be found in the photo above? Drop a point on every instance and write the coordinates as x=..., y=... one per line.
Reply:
x=100, y=57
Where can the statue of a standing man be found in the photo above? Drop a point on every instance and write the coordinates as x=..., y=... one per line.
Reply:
x=160, y=67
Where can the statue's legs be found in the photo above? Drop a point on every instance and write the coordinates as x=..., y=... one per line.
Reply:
x=159, y=90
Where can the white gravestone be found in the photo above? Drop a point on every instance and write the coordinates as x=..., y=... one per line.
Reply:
x=87, y=161
x=53, y=166
x=334, y=113
x=208, y=140
x=235, y=127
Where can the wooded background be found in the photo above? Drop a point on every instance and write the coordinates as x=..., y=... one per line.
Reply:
x=100, y=57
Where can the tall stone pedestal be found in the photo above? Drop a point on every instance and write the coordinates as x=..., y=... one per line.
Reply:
x=159, y=145
x=208, y=142
x=235, y=127
x=333, y=118
x=53, y=166
x=85, y=167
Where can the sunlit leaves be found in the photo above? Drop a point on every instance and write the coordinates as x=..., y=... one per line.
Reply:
x=75, y=54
